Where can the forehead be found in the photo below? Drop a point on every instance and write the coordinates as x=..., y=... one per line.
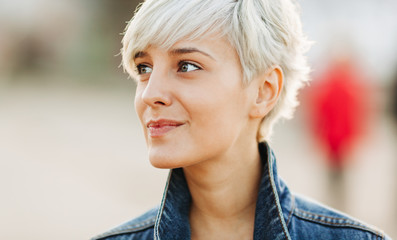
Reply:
x=214, y=47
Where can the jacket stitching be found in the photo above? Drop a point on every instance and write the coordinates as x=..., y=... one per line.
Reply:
x=292, y=210
x=345, y=223
x=270, y=171
x=161, y=210
x=134, y=228
x=145, y=223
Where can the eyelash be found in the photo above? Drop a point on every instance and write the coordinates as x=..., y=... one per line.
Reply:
x=140, y=67
x=181, y=63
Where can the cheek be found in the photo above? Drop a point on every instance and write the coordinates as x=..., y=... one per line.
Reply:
x=139, y=105
x=218, y=114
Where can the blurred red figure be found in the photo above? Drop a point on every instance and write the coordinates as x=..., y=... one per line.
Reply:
x=339, y=103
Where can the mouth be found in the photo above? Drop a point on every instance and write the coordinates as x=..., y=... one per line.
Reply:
x=159, y=128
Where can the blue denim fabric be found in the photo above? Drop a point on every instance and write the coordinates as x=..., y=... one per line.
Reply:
x=279, y=214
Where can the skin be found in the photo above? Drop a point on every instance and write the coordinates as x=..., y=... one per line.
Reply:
x=198, y=85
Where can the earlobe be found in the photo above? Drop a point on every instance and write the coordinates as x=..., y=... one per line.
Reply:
x=269, y=88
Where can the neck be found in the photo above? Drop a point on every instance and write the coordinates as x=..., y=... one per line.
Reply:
x=224, y=191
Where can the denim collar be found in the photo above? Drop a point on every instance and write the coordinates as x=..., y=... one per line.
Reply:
x=172, y=220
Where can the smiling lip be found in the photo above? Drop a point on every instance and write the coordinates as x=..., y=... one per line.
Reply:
x=159, y=128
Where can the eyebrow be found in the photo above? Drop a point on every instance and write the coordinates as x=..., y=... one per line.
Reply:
x=176, y=51
x=180, y=51
x=140, y=54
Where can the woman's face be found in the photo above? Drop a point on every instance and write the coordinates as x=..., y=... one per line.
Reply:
x=191, y=102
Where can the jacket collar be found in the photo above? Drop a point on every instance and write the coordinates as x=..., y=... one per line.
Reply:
x=172, y=220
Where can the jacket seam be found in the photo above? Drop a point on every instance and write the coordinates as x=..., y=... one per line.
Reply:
x=316, y=218
x=135, y=228
x=291, y=211
x=161, y=210
x=275, y=198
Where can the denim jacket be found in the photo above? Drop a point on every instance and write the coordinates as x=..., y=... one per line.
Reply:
x=279, y=214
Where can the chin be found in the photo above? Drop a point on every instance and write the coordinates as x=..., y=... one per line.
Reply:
x=165, y=161
x=161, y=164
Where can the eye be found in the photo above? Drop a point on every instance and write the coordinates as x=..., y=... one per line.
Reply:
x=143, y=69
x=187, y=67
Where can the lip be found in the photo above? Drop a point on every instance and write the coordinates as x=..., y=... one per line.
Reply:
x=160, y=127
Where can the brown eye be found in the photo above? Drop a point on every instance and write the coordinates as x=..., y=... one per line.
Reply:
x=187, y=67
x=143, y=69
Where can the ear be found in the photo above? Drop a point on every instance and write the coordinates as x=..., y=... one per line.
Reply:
x=269, y=86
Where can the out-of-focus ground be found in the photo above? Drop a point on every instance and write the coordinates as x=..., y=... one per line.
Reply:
x=72, y=155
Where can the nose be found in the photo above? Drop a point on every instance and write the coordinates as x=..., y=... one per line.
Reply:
x=156, y=92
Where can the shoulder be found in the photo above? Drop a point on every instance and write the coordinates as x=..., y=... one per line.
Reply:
x=137, y=228
x=312, y=220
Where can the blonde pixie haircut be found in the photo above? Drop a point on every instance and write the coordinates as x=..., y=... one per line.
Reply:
x=263, y=32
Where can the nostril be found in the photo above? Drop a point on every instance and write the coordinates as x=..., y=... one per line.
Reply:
x=159, y=102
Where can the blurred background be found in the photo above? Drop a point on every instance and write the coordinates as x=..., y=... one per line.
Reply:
x=72, y=155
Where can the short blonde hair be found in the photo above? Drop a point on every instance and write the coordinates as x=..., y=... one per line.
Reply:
x=263, y=33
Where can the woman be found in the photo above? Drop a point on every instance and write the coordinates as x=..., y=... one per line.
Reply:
x=212, y=79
